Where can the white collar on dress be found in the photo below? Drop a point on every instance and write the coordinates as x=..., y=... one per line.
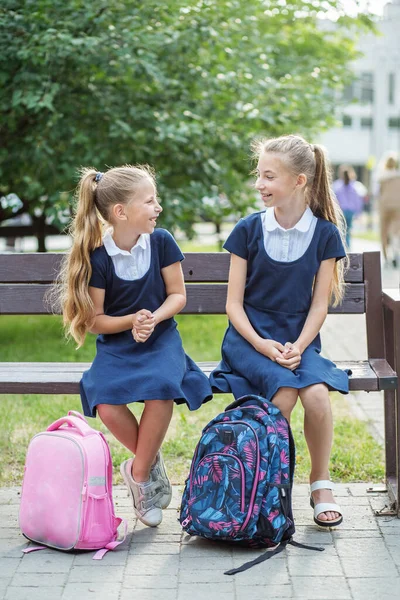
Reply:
x=112, y=248
x=270, y=223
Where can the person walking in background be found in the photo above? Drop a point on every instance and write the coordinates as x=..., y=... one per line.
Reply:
x=350, y=195
x=389, y=209
x=126, y=286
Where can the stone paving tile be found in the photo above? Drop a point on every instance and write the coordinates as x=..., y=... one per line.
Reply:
x=36, y=580
x=361, y=547
x=313, y=566
x=205, y=563
x=356, y=534
x=154, y=548
x=10, y=495
x=42, y=593
x=144, y=536
x=272, y=571
x=4, y=583
x=96, y=590
x=321, y=588
x=369, y=565
x=210, y=591
x=193, y=550
x=10, y=532
x=273, y=592
x=46, y=562
x=374, y=588
x=116, y=557
x=146, y=582
x=88, y=574
x=149, y=565
x=12, y=547
x=8, y=567
x=217, y=576
x=160, y=594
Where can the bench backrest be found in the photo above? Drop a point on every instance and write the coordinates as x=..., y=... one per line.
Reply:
x=25, y=279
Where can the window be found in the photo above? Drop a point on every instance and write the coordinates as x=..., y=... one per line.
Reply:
x=394, y=123
x=367, y=122
x=392, y=88
x=367, y=87
x=348, y=92
x=347, y=121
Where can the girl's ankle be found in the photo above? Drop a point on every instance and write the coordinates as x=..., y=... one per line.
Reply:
x=140, y=476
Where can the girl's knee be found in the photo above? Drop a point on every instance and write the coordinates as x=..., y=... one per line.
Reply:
x=285, y=399
x=159, y=405
x=108, y=412
x=315, y=397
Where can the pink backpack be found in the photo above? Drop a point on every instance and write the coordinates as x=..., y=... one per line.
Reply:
x=66, y=500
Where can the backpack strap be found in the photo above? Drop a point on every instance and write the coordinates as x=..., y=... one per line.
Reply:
x=112, y=545
x=77, y=423
x=270, y=553
x=266, y=556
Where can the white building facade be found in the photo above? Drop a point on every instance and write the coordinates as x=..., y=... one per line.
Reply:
x=371, y=118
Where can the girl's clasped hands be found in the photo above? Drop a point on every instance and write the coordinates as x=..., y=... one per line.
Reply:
x=287, y=355
x=143, y=324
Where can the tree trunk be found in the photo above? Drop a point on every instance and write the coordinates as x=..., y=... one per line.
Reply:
x=39, y=224
x=218, y=232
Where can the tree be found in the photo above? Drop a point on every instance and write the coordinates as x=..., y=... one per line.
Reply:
x=183, y=86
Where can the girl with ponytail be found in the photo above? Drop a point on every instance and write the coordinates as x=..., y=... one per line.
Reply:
x=123, y=281
x=285, y=269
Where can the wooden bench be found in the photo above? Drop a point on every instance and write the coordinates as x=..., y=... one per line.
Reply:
x=25, y=278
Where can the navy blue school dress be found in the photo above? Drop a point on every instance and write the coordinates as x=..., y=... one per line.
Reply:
x=126, y=371
x=277, y=299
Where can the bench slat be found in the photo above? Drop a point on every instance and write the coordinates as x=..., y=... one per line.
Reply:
x=63, y=378
x=197, y=267
x=28, y=299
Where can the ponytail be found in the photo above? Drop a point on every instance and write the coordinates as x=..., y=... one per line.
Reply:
x=323, y=204
x=86, y=232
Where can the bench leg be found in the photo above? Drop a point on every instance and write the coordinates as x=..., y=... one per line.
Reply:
x=392, y=409
x=392, y=449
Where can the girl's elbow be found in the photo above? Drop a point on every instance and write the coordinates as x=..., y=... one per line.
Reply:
x=183, y=301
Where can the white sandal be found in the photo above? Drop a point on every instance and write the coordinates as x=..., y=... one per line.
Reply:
x=325, y=506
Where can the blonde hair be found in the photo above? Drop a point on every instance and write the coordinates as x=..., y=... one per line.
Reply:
x=301, y=157
x=96, y=194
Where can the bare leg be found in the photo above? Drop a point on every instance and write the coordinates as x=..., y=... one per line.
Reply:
x=152, y=429
x=122, y=423
x=285, y=399
x=318, y=431
x=384, y=224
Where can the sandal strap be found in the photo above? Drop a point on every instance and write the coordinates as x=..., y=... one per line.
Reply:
x=322, y=484
x=326, y=507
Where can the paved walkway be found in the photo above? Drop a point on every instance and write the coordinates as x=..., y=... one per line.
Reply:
x=361, y=560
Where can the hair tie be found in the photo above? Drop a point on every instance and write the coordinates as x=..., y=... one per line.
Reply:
x=98, y=176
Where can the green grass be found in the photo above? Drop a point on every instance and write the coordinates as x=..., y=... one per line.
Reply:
x=355, y=457
x=369, y=235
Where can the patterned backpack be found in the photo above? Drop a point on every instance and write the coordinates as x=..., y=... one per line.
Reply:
x=239, y=487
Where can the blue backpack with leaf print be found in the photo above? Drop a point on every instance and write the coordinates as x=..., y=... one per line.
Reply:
x=239, y=487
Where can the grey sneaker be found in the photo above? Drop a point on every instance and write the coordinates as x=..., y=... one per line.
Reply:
x=159, y=473
x=146, y=496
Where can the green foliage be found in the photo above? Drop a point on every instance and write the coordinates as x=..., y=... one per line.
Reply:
x=183, y=86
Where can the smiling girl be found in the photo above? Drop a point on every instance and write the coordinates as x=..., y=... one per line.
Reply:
x=284, y=272
x=126, y=286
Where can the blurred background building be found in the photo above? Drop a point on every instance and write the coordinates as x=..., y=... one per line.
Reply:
x=371, y=116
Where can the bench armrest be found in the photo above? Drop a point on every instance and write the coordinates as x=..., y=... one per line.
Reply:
x=391, y=299
x=391, y=325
